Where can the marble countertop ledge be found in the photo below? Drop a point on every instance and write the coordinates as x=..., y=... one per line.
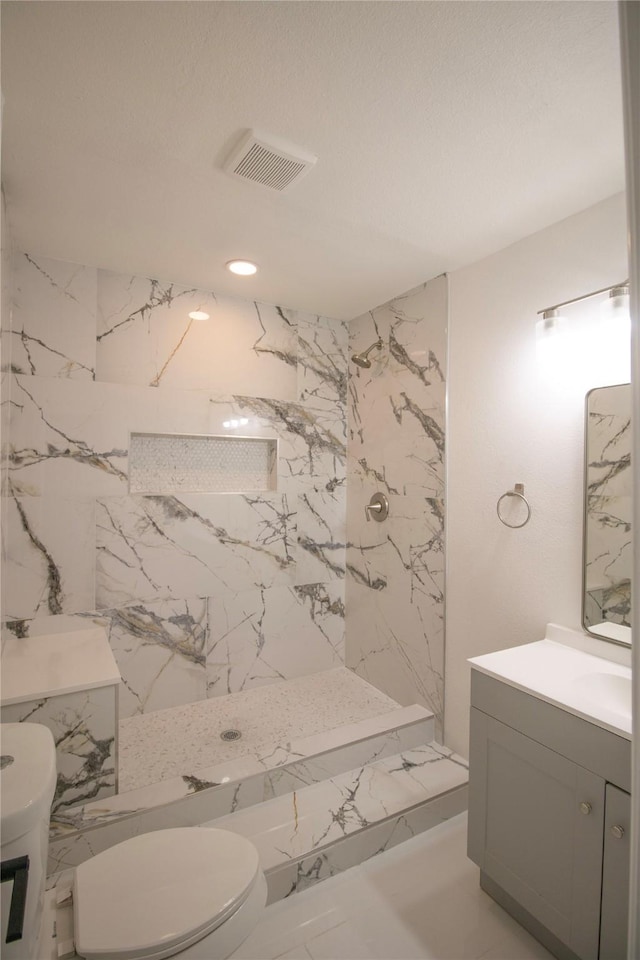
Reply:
x=53, y=664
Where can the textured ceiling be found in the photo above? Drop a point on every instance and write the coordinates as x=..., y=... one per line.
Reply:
x=444, y=131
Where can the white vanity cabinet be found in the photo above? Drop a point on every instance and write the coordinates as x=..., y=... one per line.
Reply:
x=549, y=819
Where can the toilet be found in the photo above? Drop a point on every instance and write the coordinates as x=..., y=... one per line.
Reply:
x=189, y=892
x=27, y=785
x=193, y=892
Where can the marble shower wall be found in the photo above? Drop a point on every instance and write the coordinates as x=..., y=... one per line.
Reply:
x=201, y=594
x=395, y=569
x=83, y=725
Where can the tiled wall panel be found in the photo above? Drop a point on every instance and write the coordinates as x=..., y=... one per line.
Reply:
x=395, y=569
x=97, y=356
x=85, y=732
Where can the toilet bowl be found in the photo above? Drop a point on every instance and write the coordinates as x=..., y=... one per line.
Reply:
x=192, y=892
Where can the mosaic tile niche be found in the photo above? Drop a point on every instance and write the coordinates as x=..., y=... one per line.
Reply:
x=161, y=463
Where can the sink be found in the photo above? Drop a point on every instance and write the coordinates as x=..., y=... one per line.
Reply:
x=609, y=690
x=559, y=671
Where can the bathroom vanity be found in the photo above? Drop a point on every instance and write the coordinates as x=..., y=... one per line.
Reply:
x=549, y=793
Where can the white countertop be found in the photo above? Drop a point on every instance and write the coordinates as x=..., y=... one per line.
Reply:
x=56, y=663
x=597, y=689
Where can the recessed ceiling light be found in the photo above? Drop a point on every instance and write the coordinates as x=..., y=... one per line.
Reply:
x=244, y=268
x=198, y=315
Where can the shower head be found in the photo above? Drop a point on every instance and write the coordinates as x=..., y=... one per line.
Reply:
x=362, y=359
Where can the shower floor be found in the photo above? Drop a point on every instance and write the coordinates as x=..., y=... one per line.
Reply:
x=160, y=745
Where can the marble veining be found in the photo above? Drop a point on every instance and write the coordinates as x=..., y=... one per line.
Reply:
x=53, y=579
x=49, y=567
x=270, y=634
x=395, y=570
x=163, y=546
x=145, y=336
x=390, y=811
x=322, y=359
x=315, y=441
x=354, y=848
x=322, y=535
x=84, y=730
x=159, y=296
x=263, y=772
x=609, y=506
x=174, y=651
x=160, y=649
x=53, y=318
x=262, y=344
x=98, y=356
x=324, y=813
x=42, y=442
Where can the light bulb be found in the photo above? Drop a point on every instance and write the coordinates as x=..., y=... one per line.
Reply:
x=243, y=268
x=551, y=326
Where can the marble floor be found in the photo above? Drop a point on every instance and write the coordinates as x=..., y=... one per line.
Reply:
x=420, y=899
x=156, y=746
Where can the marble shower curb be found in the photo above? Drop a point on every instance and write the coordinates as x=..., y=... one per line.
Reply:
x=234, y=785
x=324, y=829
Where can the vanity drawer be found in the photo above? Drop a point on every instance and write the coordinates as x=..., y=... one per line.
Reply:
x=592, y=747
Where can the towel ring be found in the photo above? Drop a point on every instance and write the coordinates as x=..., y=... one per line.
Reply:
x=518, y=491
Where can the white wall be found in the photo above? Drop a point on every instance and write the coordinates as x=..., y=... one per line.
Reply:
x=508, y=424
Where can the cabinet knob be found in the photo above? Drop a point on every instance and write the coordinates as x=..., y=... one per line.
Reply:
x=585, y=808
x=617, y=831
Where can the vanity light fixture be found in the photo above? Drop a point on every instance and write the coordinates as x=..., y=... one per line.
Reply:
x=550, y=336
x=198, y=315
x=615, y=309
x=550, y=322
x=616, y=292
x=593, y=344
x=243, y=268
x=619, y=296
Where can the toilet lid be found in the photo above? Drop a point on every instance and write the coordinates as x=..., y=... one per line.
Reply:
x=156, y=894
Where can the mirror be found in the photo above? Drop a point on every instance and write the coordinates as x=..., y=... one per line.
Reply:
x=606, y=601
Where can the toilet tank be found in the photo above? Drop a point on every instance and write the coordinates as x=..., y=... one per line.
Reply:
x=27, y=784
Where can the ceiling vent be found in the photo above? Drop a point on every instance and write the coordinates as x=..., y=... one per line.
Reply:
x=267, y=160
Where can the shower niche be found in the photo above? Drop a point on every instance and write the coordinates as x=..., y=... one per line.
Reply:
x=161, y=463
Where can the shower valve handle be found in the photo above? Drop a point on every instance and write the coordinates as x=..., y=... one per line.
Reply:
x=378, y=507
